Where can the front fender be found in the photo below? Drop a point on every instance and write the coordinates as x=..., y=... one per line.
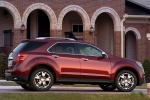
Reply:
x=123, y=64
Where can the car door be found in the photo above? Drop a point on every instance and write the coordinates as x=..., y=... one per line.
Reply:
x=64, y=55
x=94, y=66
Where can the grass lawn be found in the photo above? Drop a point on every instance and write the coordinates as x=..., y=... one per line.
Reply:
x=71, y=96
x=76, y=85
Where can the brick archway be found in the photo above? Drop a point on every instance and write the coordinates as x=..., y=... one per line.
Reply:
x=14, y=12
x=84, y=16
x=135, y=31
x=50, y=13
x=112, y=13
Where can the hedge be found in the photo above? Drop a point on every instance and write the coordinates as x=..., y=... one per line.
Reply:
x=146, y=66
x=3, y=64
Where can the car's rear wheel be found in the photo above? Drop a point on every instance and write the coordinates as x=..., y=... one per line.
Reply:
x=26, y=87
x=125, y=81
x=107, y=87
x=41, y=80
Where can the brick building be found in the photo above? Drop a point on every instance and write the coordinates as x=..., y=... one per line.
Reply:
x=116, y=30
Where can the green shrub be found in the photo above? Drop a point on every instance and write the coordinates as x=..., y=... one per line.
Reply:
x=3, y=64
x=146, y=65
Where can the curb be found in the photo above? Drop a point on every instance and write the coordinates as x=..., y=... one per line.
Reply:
x=5, y=81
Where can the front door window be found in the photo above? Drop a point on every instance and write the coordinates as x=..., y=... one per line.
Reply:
x=89, y=50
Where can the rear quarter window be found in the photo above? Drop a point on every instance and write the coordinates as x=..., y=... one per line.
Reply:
x=28, y=46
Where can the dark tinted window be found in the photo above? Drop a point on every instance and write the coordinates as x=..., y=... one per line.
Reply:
x=89, y=50
x=28, y=46
x=80, y=28
x=63, y=48
x=77, y=28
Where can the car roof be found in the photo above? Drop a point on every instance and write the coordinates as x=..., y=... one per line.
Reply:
x=55, y=40
x=50, y=39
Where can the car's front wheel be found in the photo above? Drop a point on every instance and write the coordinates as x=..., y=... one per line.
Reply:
x=41, y=80
x=107, y=87
x=125, y=81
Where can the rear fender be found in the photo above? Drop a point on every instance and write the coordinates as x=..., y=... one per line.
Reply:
x=41, y=60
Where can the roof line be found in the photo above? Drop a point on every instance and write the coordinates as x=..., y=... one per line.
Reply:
x=138, y=4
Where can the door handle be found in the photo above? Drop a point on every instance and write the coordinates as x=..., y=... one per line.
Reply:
x=55, y=56
x=84, y=59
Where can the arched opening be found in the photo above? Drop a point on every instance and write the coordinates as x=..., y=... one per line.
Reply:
x=130, y=45
x=6, y=30
x=72, y=25
x=38, y=24
x=104, y=32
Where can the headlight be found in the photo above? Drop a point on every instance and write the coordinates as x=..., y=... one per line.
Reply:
x=139, y=64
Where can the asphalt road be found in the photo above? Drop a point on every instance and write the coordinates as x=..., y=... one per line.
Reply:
x=63, y=89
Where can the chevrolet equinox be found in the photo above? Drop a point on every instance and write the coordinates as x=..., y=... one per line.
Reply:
x=39, y=63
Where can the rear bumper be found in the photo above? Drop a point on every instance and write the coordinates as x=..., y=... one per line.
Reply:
x=10, y=77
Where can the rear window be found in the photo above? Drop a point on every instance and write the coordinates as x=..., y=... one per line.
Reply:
x=28, y=46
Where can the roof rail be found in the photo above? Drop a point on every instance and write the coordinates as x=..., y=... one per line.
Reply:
x=56, y=38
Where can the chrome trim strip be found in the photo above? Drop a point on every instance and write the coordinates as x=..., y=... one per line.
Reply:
x=75, y=54
x=56, y=38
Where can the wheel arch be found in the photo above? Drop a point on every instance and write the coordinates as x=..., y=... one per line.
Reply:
x=43, y=66
x=130, y=69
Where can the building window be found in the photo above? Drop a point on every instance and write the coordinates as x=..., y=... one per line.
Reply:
x=77, y=28
x=8, y=38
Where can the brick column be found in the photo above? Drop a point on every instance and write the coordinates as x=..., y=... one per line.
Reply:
x=148, y=89
x=148, y=49
x=117, y=43
x=138, y=51
x=56, y=33
x=18, y=37
x=87, y=37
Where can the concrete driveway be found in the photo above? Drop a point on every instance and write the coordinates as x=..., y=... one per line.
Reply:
x=66, y=89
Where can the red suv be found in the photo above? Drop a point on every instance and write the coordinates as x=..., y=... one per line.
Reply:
x=38, y=64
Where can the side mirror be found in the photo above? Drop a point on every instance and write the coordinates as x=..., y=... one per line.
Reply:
x=104, y=54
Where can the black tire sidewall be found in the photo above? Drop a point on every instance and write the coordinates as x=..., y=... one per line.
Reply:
x=116, y=81
x=24, y=86
x=107, y=88
x=33, y=84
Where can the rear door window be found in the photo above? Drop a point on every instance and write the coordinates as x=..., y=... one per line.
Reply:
x=66, y=48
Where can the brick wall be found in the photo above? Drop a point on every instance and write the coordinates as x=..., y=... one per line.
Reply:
x=143, y=43
x=90, y=6
x=57, y=5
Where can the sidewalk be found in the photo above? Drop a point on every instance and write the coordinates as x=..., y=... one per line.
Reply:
x=4, y=81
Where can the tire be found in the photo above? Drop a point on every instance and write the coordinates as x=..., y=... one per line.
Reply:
x=125, y=81
x=107, y=87
x=26, y=87
x=41, y=80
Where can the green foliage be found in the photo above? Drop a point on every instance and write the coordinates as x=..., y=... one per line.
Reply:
x=3, y=64
x=146, y=65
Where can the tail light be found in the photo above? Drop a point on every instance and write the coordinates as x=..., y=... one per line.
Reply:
x=21, y=57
